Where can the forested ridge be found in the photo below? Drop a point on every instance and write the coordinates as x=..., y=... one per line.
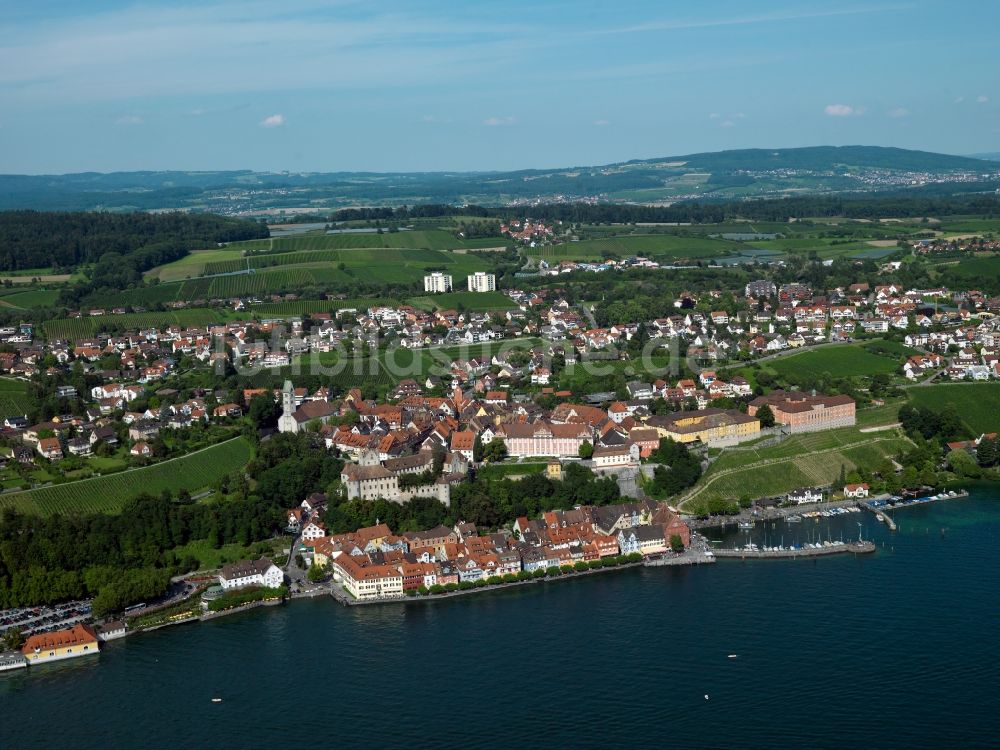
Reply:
x=781, y=209
x=60, y=240
x=130, y=557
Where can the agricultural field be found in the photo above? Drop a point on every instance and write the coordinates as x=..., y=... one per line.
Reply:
x=798, y=461
x=656, y=246
x=429, y=239
x=840, y=361
x=109, y=494
x=978, y=404
x=81, y=328
x=295, y=269
x=29, y=299
x=13, y=398
x=475, y=301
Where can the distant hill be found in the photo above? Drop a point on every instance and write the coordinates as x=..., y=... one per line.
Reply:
x=829, y=157
x=991, y=156
x=722, y=175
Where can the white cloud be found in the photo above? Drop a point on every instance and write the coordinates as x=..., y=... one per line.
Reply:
x=766, y=18
x=728, y=124
x=274, y=121
x=714, y=116
x=959, y=99
x=843, y=110
x=129, y=120
x=899, y=112
x=839, y=110
x=601, y=123
x=982, y=99
x=495, y=121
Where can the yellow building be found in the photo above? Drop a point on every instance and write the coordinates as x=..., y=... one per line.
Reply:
x=80, y=640
x=553, y=470
x=715, y=427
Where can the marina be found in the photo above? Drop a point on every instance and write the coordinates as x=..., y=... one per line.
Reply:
x=881, y=506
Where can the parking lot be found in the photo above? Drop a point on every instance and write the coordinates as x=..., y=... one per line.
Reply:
x=41, y=619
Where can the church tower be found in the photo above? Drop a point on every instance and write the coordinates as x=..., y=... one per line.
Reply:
x=286, y=422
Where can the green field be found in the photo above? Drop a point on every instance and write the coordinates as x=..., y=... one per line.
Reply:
x=30, y=299
x=468, y=300
x=108, y=494
x=13, y=398
x=842, y=360
x=978, y=404
x=812, y=459
x=657, y=246
x=82, y=328
x=430, y=239
x=291, y=271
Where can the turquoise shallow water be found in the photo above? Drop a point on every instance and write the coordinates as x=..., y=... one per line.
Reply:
x=896, y=649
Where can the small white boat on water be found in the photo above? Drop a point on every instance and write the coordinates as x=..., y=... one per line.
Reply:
x=216, y=700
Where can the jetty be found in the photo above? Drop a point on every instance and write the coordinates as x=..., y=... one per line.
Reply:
x=816, y=550
x=880, y=506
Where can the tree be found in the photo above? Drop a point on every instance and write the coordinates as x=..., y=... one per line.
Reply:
x=586, y=450
x=477, y=449
x=264, y=411
x=316, y=573
x=676, y=543
x=988, y=452
x=13, y=639
x=495, y=450
x=766, y=416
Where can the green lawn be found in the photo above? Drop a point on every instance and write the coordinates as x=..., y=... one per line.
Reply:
x=477, y=301
x=977, y=403
x=850, y=360
x=108, y=494
x=210, y=558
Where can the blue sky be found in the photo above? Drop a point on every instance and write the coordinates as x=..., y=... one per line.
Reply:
x=305, y=85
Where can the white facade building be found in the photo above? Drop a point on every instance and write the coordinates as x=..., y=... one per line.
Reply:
x=437, y=282
x=481, y=281
x=260, y=572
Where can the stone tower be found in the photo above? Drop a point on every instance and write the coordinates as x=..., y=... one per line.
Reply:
x=286, y=422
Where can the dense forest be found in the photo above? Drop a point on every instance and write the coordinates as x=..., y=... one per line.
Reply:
x=33, y=239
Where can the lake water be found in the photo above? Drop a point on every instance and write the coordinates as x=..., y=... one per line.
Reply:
x=896, y=649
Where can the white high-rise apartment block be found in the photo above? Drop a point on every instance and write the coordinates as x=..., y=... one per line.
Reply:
x=482, y=282
x=437, y=282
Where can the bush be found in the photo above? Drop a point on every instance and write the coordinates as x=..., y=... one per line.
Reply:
x=580, y=565
x=437, y=588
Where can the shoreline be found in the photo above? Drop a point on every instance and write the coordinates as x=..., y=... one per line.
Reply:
x=694, y=555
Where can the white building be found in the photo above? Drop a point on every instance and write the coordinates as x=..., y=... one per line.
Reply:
x=481, y=281
x=437, y=282
x=260, y=572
